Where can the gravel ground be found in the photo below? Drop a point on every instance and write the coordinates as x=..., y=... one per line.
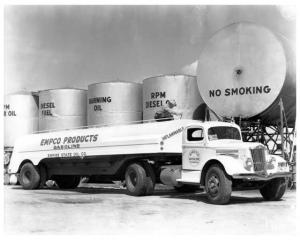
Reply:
x=106, y=209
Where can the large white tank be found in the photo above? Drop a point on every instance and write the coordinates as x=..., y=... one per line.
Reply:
x=243, y=71
x=117, y=102
x=20, y=116
x=62, y=109
x=172, y=97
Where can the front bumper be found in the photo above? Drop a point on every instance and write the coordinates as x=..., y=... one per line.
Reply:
x=261, y=177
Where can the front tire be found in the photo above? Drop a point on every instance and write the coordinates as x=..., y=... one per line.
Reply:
x=29, y=176
x=218, y=186
x=274, y=189
x=67, y=182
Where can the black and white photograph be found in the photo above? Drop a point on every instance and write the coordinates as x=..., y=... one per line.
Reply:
x=134, y=120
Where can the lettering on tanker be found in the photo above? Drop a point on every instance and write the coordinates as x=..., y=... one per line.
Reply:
x=171, y=134
x=69, y=142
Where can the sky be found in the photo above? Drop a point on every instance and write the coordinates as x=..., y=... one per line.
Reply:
x=73, y=46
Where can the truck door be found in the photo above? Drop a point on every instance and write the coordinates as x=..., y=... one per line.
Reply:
x=193, y=145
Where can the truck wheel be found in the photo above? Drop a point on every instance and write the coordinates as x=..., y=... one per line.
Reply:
x=29, y=176
x=217, y=185
x=67, y=182
x=186, y=188
x=274, y=189
x=137, y=183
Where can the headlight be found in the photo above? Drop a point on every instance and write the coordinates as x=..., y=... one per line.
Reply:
x=248, y=164
x=245, y=156
x=7, y=156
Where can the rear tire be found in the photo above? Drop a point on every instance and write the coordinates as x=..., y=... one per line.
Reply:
x=139, y=179
x=29, y=176
x=67, y=182
x=274, y=189
x=150, y=184
x=217, y=185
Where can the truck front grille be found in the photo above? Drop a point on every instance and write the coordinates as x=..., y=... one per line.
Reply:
x=259, y=159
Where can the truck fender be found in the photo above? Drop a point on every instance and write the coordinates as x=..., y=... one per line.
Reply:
x=17, y=162
x=230, y=165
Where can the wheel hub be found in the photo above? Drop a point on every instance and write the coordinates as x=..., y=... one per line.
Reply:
x=133, y=178
x=213, y=184
x=27, y=177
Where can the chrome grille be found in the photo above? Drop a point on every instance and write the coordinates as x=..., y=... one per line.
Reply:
x=259, y=159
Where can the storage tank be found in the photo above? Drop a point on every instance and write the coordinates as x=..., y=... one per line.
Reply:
x=172, y=97
x=117, y=102
x=62, y=109
x=244, y=70
x=20, y=116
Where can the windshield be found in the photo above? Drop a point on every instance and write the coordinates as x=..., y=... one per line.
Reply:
x=217, y=133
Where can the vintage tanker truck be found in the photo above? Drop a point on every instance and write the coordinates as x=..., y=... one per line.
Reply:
x=186, y=154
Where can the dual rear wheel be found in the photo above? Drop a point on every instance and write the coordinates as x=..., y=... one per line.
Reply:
x=32, y=177
x=139, y=179
x=29, y=176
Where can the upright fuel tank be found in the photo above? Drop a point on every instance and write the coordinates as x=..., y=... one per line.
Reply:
x=62, y=109
x=117, y=102
x=244, y=70
x=20, y=116
x=172, y=97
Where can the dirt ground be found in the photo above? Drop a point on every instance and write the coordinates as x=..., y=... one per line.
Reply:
x=106, y=209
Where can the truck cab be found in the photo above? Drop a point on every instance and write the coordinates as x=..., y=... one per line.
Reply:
x=215, y=156
x=186, y=154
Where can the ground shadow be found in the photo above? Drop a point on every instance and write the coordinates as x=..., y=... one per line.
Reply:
x=199, y=196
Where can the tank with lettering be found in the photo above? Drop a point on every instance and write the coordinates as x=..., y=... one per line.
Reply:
x=116, y=102
x=170, y=97
x=62, y=109
x=244, y=70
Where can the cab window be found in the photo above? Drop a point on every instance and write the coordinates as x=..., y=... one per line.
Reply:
x=195, y=134
x=223, y=132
